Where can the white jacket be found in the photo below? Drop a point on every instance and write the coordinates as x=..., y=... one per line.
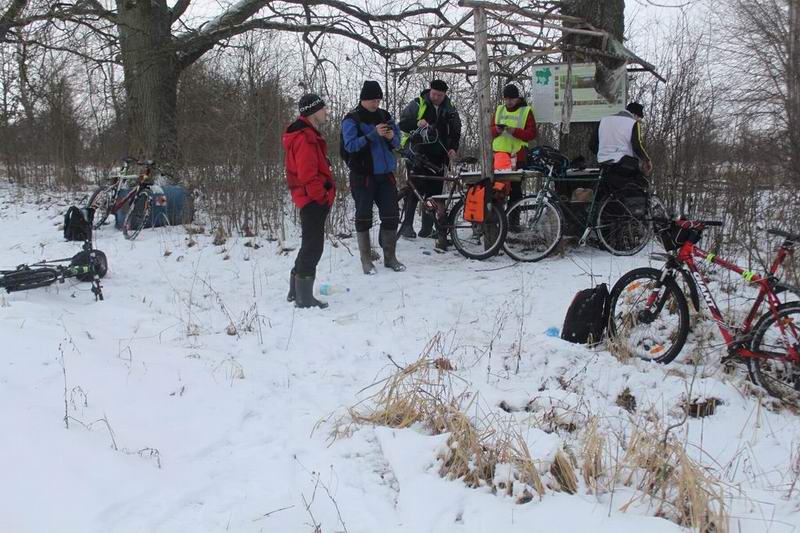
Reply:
x=615, y=137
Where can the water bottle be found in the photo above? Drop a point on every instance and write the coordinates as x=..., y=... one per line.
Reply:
x=552, y=332
x=327, y=289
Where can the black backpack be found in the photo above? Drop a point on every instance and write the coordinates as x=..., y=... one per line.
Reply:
x=359, y=162
x=587, y=316
x=78, y=224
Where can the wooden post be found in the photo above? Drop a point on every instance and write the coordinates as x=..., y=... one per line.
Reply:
x=484, y=94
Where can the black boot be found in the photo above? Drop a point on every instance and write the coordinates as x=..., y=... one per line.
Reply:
x=304, y=291
x=365, y=252
x=409, y=209
x=389, y=240
x=426, y=231
x=291, y=296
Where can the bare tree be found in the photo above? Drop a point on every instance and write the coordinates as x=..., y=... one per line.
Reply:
x=761, y=56
x=156, y=44
x=10, y=17
x=608, y=15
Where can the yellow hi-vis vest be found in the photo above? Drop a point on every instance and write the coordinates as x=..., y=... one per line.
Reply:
x=423, y=106
x=505, y=142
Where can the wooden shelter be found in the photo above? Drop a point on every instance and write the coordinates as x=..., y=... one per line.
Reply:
x=538, y=32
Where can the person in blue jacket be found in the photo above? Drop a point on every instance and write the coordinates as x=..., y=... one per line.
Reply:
x=369, y=136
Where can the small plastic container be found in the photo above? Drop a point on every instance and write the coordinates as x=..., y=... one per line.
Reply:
x=327, y=289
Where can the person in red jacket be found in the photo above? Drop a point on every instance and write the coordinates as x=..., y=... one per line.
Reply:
x=308, y=173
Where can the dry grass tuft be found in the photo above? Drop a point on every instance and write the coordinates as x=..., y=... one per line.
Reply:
x=626, y=400
x=485, y=451
x=563, y=472
x=683, y=490
x=592, y=454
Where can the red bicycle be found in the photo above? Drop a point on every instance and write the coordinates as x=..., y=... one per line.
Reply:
x=649, y=313
x=138, y=200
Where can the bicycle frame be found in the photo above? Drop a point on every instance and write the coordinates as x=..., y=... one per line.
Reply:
x=733, y=336
x=121, y=177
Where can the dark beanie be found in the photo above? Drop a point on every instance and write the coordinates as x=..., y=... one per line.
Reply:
x=371, y=90
x=310, y=104
x=635, y=108
x=510, y=91
x=439, y=85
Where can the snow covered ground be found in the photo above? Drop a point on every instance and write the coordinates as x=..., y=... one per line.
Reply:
x=200, y=400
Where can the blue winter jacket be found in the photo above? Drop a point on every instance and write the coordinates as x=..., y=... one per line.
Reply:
x=356, y=135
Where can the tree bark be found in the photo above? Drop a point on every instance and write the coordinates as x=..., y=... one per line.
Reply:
x=793, y=89
x=607, y=15
x=151, y=80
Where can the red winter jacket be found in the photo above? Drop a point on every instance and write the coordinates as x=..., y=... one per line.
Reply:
x=308, y=171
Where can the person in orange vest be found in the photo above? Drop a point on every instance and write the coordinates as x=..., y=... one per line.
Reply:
x=513, y=127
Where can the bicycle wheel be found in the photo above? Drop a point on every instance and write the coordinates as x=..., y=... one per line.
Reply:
x=534, y=229
x=774, y=371
x=478, y=240
x=648, y=319
x=138, y=215
x=24, y=280
x=102, y=202
x=622, y=224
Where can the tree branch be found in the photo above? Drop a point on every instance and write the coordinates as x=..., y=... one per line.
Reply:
x=235, y=21
x=9, y=18
x=179, y=9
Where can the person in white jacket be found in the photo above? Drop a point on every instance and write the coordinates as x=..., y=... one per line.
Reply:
x=618, y=144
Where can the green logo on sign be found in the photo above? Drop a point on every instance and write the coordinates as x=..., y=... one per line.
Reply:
x=543, y=76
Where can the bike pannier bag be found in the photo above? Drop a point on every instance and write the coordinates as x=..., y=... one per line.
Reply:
x=78, y=223
x=475, y=203
x=170, y=205
x=676, y=234
x=587, y=316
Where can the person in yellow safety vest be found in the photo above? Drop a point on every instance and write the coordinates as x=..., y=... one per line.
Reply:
x=432, y=109
x=513, y=127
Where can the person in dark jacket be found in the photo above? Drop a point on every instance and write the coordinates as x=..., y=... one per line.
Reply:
x=369, y=136
x=308, y=174
x=432, y=108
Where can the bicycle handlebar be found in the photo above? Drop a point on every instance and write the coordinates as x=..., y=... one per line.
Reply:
x=794, y=237
x=685, y=222
x=143, y=162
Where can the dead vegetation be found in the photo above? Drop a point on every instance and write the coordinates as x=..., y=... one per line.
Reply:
x=488, y=448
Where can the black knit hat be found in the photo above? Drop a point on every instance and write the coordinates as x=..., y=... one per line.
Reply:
x=371, y=90
x=439, y=85
x=310, y=104
x=510, y=91
x=635, y=108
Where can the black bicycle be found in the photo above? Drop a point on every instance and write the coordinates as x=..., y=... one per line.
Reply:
x=87, y=265
x=620, y=219
x=473, y=239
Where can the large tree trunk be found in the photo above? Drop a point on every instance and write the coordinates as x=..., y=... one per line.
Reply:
x=608, y=15
x=793, y=90
x=151, y=80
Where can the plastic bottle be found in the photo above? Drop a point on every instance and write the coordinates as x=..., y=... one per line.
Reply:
x=327, y=288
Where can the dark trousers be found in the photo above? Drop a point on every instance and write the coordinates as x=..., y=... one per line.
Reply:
x=380, y=190
x=312, y=224
x=426, y=188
